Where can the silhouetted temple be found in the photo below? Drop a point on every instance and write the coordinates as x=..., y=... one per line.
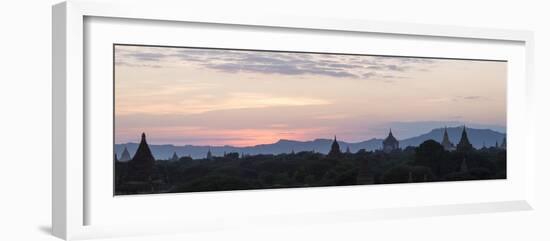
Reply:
x=503, y=144
x=335, y=148
x=141, y=166
x=125, y=156
x=141, y=174
x=464, y=144
x=175, y=157
x=390, y=143
x=446, y=143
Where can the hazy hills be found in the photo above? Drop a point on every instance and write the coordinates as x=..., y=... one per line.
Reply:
x=476, y=136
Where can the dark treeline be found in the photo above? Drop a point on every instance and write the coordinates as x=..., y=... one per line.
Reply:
x=429, y=162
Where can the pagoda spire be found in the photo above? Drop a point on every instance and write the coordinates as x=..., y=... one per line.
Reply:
x=143, y=161
x=335, y=148
x=143, y=152
x=175, y=157
x=464, y=145
x=125, y=156
x=446, y=143
x=390, y=143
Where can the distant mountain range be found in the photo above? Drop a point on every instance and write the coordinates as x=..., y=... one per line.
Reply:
x=476, y=136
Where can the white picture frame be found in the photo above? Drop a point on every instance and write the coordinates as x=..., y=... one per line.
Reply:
x=72, y=189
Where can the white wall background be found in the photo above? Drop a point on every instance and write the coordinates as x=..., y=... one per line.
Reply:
x=25, y=122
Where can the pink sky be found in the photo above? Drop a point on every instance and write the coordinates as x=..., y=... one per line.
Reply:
x=225, y=97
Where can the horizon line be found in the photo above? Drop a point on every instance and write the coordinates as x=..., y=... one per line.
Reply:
x=330, y=139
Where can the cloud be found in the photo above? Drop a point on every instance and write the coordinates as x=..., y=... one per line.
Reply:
x=368, y=75
x=389, y=67
x=266, y=62
x=470, y=97
x=122, y=63
x=284, y=69
x=147, y=56
x=473, y=97
x=232, y=101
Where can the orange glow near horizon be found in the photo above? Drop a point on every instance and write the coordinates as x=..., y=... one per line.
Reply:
x=236, y=138
x=191, y=96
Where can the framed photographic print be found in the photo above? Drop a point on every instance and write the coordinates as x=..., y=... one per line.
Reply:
x=280, y=118
x=234, y=119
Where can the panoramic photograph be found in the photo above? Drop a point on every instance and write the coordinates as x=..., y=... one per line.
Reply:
x=190, y=119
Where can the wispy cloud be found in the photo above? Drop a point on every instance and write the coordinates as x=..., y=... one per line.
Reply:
x=265, y=62
x=470, y=97
x=233, y=101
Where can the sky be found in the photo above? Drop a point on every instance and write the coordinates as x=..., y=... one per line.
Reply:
x=197, y=96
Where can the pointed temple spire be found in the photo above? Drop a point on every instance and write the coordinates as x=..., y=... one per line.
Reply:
x=143, y=152
x=335, y=148
x=143, y=161
x=390, y=143
x=125, y=156
x=464, y=144
x=348, y=151
x=175, y=157
x=503, y=143
x=209, y=154
x=446, y=142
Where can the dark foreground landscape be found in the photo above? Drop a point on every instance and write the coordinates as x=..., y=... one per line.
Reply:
x=431, y=161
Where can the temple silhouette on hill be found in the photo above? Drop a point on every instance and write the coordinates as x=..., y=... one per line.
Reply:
x=142, y=174
x=464, y=144
x=142, y=164
x=446, y=143
x=125, y=156
x=175, y=157
x=390, y=143
x=335, y=149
